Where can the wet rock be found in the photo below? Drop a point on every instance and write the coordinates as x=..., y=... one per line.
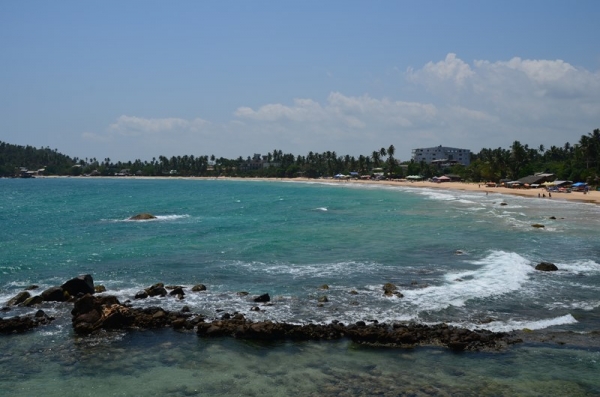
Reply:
x=538, y=226
x=157, y=289
x=20, y=324
x=262, y=298
x=55, y=294
x=141, y=295
x=91, y=314
x=552, y=217
x=185, y=309
x=546, y=267
x=99, y=289
x=199, y=287
x=32, y=301
x=83, y=284
x=178, y=291
x=142, y=217
x=324, y=286
x=19, y=298
x=323, y=299
x=353, y=292
x=503, y=204
x=377, y=334
x=389, y=289
x=31, y=287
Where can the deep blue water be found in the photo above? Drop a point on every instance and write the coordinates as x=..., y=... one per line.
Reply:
x=457, y=257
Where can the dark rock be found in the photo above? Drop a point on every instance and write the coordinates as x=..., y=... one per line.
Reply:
x=99, y=288
x=389, y=289
x=185, y=309
x=199, y=287
x=324, y=286
x=177, y=291
x=32, y=301
x=353, y=292
x=142, y=217
x=537, y=225
x=552, y=217
x=19, y=298
x=55, y=294
x=255, y=309
x=32, y=287
x=83, y=284
x=141, y=295
x=20, y=324
x=262, y=298
x=323, y=299
x=157, y=289
x=546, y=267
x=503, y=204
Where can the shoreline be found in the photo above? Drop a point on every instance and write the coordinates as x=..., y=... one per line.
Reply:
x=592, y=197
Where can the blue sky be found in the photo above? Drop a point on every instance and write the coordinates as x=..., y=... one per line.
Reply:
x=139, y=79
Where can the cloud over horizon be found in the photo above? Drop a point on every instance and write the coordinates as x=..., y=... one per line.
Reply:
x=468, y=104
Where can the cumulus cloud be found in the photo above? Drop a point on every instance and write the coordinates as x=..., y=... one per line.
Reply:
x=474, y=104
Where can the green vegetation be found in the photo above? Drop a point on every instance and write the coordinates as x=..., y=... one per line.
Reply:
x=578, y=162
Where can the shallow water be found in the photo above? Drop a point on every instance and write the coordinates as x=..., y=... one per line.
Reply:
x=288, y=240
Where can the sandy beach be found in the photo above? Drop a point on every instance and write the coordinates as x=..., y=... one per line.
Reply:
x=591, y=197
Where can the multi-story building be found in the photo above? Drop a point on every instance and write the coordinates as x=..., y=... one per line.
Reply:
x=442, y=156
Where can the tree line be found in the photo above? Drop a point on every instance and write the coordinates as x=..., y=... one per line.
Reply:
x=577, y=162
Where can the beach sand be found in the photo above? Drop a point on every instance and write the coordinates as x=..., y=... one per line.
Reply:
x=592, y=197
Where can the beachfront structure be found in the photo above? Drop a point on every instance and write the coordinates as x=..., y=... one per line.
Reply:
x=442, y=156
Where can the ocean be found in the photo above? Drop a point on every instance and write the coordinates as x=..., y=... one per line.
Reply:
x=462, y=258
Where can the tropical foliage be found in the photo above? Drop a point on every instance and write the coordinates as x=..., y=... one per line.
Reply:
x=580, y=162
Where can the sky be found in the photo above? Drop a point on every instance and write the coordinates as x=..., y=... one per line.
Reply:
x=130, y=80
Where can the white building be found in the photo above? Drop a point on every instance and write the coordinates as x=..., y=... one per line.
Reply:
x=442, y=156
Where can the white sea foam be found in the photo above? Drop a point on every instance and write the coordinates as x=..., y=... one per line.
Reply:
x=499, y=273
x=159, y=218
x=321, y=209
x=513, y=325
x=587, y=267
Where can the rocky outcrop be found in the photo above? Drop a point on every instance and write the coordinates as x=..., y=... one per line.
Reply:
x=20, y=324
x=400, y=335
x=142, y=217
x=198, y=288
x=546, y=267
x=157, y=289
x=19, y=298
x=83, y=284
x=55, y=294
x=91, y=314
x=538, y=226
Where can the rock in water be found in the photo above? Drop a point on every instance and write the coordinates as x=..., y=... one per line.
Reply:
x=546, y=267
x=83, y=284
x=537, y=225
x=142, y=217
x=19, y=298
x=262, y=298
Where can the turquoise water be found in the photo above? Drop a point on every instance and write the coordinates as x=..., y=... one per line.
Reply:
x=457, y=257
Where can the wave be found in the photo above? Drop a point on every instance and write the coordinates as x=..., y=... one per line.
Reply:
x=499, y=273
x=515, y=325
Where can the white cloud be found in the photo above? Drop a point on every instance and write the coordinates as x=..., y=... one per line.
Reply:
x=135, y=126
x=473, y=105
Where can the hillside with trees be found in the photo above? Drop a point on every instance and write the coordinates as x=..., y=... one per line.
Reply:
x=577, y=162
